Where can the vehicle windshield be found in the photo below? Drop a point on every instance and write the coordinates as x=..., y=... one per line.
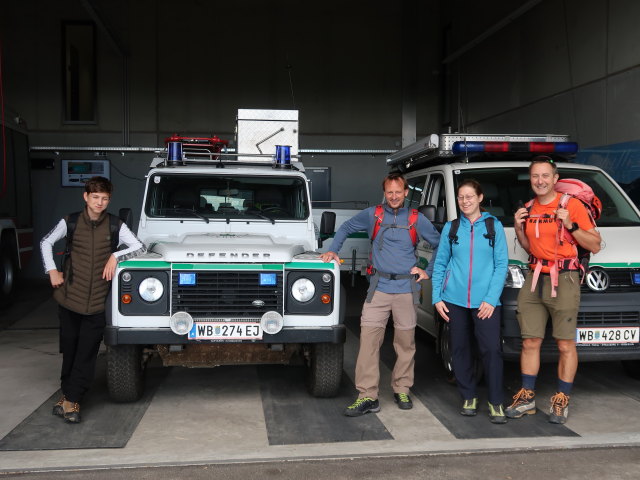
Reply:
x=505, y=188
x=220, y=197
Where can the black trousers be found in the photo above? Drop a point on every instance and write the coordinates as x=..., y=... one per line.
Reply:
x=80, y=338
x=464, y=325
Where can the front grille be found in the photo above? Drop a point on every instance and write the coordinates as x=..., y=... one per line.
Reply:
x=224, y=294
x=608, y=319
x=620, y=280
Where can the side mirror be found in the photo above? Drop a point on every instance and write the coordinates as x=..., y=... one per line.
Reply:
x=428, y=211
x=327, y=226
x=126, y=215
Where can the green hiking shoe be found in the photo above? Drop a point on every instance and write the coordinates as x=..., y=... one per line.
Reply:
x=469, y=407
x=362, y=406
x=403, y=400
x=496, y=414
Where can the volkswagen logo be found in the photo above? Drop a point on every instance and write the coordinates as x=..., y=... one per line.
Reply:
x=598, y=280
x=260, y=303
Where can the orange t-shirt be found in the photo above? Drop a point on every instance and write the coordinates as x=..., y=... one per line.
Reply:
x=546, y=246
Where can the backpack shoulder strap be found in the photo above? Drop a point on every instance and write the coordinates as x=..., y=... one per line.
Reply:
x=72, y=223
x=491, y=231
x=413, y=231
x=453, y=231
x=378, y=216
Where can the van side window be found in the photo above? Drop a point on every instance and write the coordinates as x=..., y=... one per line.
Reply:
x=416, y=189
x=436, y=195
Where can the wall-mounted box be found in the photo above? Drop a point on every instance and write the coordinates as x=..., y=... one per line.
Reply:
x=76, y=172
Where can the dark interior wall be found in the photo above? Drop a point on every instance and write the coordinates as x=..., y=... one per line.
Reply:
x=192, y=65
x=186, y=67
x=560, y=66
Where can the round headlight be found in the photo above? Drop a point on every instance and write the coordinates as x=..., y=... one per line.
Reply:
x=303, y=290
x=181, y=323
x=326, y=277
x=126, y=277
x=150, y=289
x=271, y=322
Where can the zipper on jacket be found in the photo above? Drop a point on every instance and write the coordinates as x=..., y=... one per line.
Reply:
x=470, y=268
x=92, y=226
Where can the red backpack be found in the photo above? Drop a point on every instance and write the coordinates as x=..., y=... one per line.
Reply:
x=571, y=187
x=379, y=216
x=413, y=219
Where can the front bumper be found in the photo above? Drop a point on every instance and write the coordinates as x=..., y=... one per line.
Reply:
x=164, y=336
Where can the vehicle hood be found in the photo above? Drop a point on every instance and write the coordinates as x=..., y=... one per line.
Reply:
x=226, y=247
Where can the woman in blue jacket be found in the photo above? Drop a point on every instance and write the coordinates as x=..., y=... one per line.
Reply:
x=468, y=277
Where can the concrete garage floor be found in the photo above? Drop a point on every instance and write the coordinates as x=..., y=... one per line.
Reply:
x=254, y=414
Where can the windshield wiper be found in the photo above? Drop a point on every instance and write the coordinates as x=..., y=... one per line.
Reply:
x=262, y=216
x=185, y=210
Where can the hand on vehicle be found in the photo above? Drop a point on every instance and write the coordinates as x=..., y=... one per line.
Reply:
x=110, y=268
x=442, y=309
x=421, y=274
x=329, y=256
x=56, y=278
x=485, y=310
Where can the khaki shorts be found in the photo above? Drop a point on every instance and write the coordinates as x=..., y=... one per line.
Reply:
x=376, y=313
x=534, y=309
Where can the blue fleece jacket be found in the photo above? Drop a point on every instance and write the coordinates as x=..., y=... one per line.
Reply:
x=392, y=250
x=470, y=272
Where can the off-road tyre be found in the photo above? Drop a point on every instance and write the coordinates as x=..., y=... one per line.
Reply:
x=7, y=279
x=125, y=372
x=325, y=369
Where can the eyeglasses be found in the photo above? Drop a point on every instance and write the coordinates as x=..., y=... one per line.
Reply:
x=468, y=198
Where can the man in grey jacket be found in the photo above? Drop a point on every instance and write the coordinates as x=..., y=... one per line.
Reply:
x=393, y=289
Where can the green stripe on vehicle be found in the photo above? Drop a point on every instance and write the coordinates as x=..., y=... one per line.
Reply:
x=143, y=264
x=306, y=265
x=517, y=262
x=226, y=266
x=616, y=265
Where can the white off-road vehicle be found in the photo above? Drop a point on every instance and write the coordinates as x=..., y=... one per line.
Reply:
x=231, y=275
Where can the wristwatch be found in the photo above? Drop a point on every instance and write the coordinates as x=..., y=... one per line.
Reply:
x=573, y=228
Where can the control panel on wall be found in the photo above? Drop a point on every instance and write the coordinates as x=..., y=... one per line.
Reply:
x=76, y=172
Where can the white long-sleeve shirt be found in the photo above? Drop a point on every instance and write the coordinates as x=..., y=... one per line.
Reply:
x=125, y=236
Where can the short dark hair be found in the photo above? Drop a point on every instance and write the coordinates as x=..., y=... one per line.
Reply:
x=98, y=185
x=393, y=177
x=544, y=159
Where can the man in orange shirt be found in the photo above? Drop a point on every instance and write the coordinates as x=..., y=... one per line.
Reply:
x=552, y=261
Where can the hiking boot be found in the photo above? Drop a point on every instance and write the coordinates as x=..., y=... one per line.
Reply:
x=559, y=410
x=496, y=414
x=71, y=411
x=57, y=408
x=362, y=406
x=524, y=402
x=403, y=400
x=469, y=408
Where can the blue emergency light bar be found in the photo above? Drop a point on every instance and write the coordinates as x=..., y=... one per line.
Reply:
x=564, y=148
